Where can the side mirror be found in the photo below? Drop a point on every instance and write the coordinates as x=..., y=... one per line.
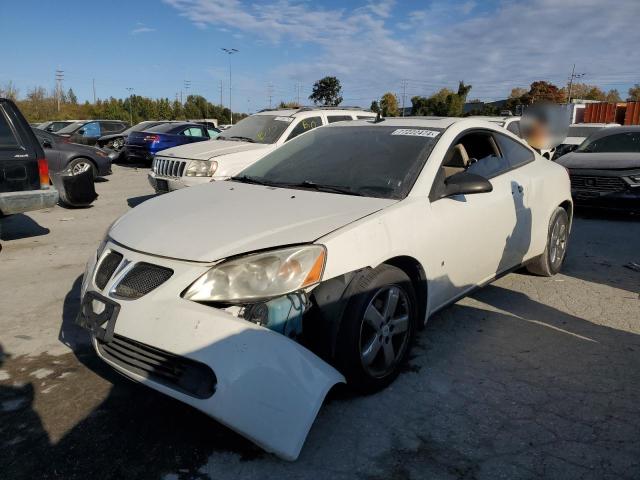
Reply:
x=46, y=144
x=81, y=131
x=465, y=183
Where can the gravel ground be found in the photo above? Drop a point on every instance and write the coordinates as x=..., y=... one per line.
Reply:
x=529, y=378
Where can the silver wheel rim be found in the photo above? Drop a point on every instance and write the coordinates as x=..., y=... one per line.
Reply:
x=80, y=167
x=384, y=332
x=558, y=242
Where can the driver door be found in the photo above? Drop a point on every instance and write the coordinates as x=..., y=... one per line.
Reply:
x=471, y=232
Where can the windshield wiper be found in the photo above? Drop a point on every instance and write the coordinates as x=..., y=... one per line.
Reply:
x=246, y=139
x=321, y=188
x=248, y=179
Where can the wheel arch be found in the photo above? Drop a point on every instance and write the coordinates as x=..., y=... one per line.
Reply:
x=415, y=271
x=83, y=157
x=568, y=206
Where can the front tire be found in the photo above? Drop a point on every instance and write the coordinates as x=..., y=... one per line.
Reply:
x=80, y=165
x=377, y=329
x=550, y=262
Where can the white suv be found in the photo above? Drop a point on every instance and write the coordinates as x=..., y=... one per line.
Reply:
x=240, y=145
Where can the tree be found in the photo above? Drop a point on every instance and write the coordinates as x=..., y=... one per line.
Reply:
x=327, y=92
x=518, y=92
x=587, y=92
x=71, y=97
x=9, y=91
x=375, y=107
x=612, y=96
x=634, y=93
x=284, y=104
x=389, y=105
x=542, y=91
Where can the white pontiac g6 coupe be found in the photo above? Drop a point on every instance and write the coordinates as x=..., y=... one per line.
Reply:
x=317, y=265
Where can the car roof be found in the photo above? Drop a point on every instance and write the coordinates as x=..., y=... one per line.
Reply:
x=433, y=122
x=290, y=112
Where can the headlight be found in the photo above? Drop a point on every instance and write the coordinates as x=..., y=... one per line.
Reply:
x=201, y=168
x=260, y=276
x=635, y=178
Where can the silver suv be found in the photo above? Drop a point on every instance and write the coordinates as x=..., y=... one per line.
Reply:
x=241, y=145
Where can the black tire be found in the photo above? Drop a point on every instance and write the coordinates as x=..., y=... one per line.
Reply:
x=550, y=262
x=81, y=160
x=356, y=330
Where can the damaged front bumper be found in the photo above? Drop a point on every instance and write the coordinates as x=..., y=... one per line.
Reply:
x=256, y=381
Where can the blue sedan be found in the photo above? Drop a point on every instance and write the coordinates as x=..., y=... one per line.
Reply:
x=142, y=146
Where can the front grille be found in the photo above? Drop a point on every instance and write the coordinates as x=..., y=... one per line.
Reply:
x=169, y=168
x=106, y=269
x=185, y=375
x=141, y=279
x=597, y=184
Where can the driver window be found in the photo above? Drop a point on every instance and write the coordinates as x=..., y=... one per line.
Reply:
x=91, y=129
x=305, y=125
x=476, y=152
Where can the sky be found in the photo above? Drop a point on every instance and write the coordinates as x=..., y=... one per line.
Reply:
x=154, y=46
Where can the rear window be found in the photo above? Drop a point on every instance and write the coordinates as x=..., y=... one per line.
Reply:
x=338, y=118
x=8, y=138
x=166, y=128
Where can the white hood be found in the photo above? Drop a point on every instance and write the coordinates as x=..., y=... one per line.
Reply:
x=217, y=220
x=211, y=149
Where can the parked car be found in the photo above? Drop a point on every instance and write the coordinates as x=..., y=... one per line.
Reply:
x=578, y=133
x=24, y=172
x=62, y=154
x=116, y=141
x=240, y=145
x=55, y=126
x=605, y=169
x=142, y=146
x=87, y=132
x=317, y=264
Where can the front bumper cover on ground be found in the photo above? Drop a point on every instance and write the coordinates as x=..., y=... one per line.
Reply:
x=268, y=387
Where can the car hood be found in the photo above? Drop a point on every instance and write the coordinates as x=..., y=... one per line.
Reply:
x=600, y=161
x=211, y=148
x=217, y=220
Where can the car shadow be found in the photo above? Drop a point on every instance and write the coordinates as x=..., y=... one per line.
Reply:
x=135, y=201
x=14, y=227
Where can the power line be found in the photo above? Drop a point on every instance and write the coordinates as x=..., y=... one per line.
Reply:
x=270, y=93
x=572, y=77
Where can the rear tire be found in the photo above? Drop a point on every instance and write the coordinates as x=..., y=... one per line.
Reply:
x=550, y=262
x=377, y=329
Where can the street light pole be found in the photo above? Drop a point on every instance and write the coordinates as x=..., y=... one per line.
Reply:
x=130, y=89
x=230, y=51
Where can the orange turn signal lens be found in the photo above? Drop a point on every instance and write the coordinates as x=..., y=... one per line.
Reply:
x=315, y=274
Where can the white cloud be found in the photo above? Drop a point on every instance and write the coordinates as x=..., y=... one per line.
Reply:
x=141, y=28
x=372, y=47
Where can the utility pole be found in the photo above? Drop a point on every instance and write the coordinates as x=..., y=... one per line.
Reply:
x=59, y=79
x=94, y=91
x=298, y=88
x=572, y=77
x=187, y=86
x=230, y=51
x=270, y=93
x=404, y=94
x=130, y=90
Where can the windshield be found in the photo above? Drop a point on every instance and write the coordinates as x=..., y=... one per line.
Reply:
x=374, y=161
x=581, y=131
x=257, y=129
x=71, y=127
x=627, y=142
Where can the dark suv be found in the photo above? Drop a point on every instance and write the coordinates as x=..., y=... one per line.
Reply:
x=24, y=172
x=87, y=132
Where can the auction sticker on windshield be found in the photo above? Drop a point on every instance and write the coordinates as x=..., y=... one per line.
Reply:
x=415, y=132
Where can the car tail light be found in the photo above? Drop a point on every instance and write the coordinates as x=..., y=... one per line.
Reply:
x=152, y=138
x=43, y=170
